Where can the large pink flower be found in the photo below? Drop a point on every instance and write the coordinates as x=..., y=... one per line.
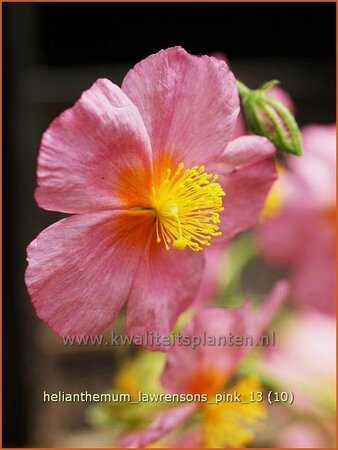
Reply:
x=206, y=368
x=136, y=167
x=301, y=236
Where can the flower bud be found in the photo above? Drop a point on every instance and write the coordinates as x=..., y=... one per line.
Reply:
x=266, y=116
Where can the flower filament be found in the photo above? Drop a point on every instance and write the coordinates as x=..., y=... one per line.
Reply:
x=187, y=205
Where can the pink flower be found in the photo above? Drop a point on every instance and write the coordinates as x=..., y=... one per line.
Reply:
x=304, y=362
x=137, y=167
x=206, y=368
x=292, y=363
x=301, y=236
x=301, y=435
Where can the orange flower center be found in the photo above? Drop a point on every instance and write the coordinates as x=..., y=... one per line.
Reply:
x=329, y=215
x=182, y=206
x=207, y=380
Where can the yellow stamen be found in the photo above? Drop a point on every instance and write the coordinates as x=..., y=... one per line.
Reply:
x=140, y=374
x=187, y=204
x=233, y=424
x=275, y=198
x=126, y=381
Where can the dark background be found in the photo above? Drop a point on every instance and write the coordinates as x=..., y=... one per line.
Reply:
x=51, y=52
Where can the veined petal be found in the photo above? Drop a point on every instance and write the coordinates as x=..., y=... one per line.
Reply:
x=85, y=149
x=246, y=172
x=165, y=285
x=242, y=152
x=161, y=426
x=80, y=269
x=188, y=103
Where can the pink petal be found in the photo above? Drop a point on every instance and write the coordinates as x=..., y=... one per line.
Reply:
x=317, y=168
x=247, y=171
x=301, y=241
x=165, y=286
x=292, y=364
x=320, y=140
x=214, y=265
x=85, y=149
x=188, y=103
x=301, y=435
x=314, y=275
x=164, y=423
x=298, y=343
x=302, y=237
x=81, y=269
x=278, y=238
x=190, y=438
x=269, y=307
x=243, y=152
x=240, y=128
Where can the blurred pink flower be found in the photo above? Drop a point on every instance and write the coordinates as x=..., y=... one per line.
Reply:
x=301, y=236
x=301, y=435
x=292, y=361
x=304, y=362
x=206, y=368
x=131, y=164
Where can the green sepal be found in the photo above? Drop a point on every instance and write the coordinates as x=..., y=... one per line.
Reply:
x=266, y=116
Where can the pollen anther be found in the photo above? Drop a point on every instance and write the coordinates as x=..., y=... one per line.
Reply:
x=187, y=205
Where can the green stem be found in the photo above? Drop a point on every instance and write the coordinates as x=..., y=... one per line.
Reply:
x=242, y=89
